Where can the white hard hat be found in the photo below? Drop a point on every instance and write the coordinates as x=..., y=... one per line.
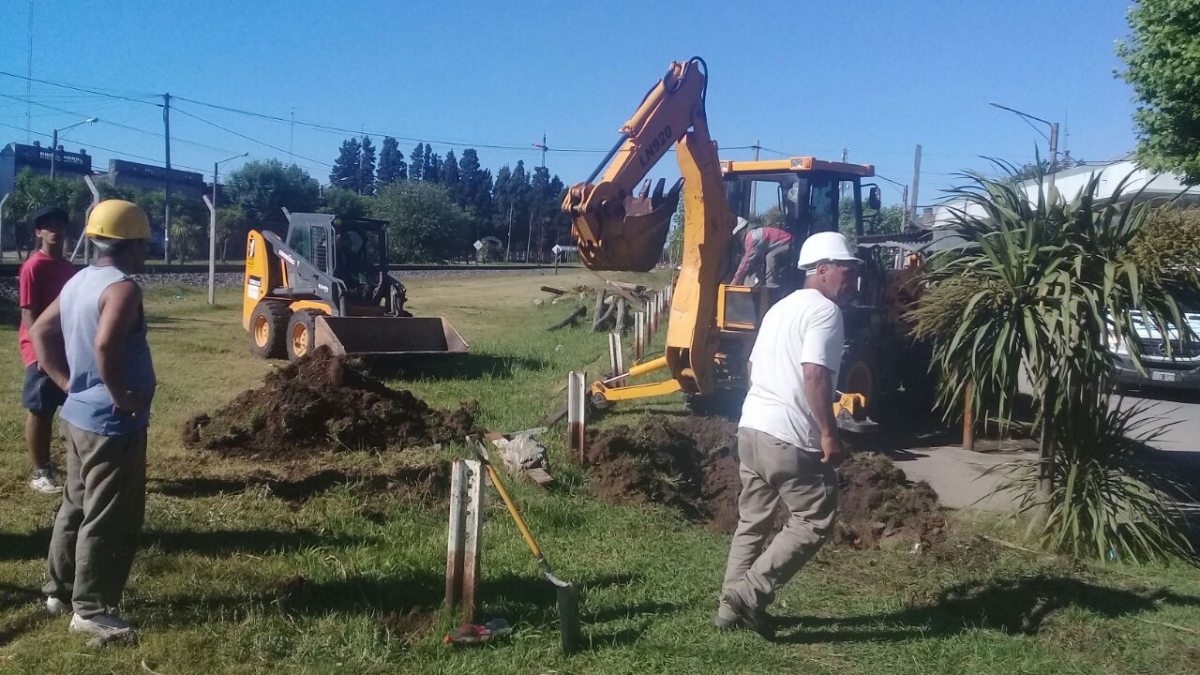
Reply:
x=741, y=225
x=825, y=246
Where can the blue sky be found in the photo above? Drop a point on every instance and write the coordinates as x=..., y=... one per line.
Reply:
x=801, y=77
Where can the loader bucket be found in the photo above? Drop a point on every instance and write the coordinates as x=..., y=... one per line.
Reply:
x=631, y=232
x=388, y=336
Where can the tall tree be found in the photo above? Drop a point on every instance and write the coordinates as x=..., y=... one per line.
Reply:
x=1162, y=57
x=346, y=166
x=416, y=163
x=433, y=166
x=391, y=163
x=449, y=176
x=366, y=184
x=503, y=216
x=538, y=200
x=475, y=192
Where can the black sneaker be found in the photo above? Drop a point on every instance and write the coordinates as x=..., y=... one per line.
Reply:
x=756, y=620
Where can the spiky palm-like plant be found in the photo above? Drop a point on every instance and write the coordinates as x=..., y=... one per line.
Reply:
x=1042, y=287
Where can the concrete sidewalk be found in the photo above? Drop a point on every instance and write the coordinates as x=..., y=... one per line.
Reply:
x=961, y=478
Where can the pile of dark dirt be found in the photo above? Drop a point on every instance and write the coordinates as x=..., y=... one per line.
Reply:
x=879, y=507
x=661, y=463
x=688, y=464
x=322, y=402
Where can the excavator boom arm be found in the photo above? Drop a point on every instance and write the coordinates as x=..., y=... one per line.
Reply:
x=616, y=228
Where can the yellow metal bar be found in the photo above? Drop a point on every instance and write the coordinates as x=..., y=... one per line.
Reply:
x=640, y=369
x=636, y=391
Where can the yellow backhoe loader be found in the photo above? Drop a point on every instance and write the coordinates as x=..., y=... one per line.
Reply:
x=328, y=284
x=713, y=321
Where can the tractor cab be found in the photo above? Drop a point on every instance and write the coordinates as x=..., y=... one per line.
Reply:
x=350, y=255
x=794, y=198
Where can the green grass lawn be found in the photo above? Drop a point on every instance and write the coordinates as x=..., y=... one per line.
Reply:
x=282, y=567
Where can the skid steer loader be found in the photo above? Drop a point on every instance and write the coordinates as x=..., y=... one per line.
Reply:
x=328, y=284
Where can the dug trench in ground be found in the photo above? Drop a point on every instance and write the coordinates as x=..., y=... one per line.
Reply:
x=687, y=464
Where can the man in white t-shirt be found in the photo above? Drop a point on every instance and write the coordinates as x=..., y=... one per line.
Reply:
x=788, y=440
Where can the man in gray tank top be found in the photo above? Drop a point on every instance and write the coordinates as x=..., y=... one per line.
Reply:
x=92, y=342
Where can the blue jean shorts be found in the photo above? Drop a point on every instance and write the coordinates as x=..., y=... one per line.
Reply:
x=40, y=395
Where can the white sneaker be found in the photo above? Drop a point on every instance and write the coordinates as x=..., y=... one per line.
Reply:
x=55, y=607
x=43, y=481
x=104, y=626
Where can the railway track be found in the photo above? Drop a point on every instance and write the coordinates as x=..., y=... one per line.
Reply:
x=9, y=270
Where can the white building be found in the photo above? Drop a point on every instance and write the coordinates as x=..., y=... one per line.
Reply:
x=1070, y=182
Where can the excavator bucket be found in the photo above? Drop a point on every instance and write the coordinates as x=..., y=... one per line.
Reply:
x=388, y=336
x=630, y=234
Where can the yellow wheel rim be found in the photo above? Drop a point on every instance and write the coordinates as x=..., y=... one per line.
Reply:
x=299, y=339
x=262, y=331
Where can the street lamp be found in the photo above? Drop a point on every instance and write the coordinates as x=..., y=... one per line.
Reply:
x=216, y=168
x=212, y=230
x=904, y=199
x=54, y=142
x=1052, y=138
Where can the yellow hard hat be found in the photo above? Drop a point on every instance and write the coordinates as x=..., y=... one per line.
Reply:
x=118, y=219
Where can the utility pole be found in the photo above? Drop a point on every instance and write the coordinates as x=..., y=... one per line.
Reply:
x=1052, y=138
x=754, y=184
x=167, y=187
x=916, y=184
x=508, y=247
x=29, y=81
x=904, y=210
x=291, y=138
x=845, y=153
x=543, y=147
x=2, y=200
x=1053, y=152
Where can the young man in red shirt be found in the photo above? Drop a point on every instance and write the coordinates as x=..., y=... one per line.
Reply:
x=42, y=278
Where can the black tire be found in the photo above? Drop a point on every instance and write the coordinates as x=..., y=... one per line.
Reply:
x=268, y=325
x=300, y=338
x=860, y=376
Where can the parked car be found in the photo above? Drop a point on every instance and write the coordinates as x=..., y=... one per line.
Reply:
x=1180, y=370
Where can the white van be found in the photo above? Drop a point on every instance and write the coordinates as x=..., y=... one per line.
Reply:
x=1180, y=370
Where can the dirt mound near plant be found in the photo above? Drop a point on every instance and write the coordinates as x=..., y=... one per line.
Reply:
x=688, y=464
x=322, y=402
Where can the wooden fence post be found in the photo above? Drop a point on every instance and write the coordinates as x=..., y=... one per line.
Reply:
x=463, y=546
x=576, y=412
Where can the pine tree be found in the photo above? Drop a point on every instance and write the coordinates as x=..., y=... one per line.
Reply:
x=449, y=176
x=345, y=167
x=416, y=162
x=475, y=186
x=433, y=166
x=367, y=164
x=502, y=198
x=391, y=163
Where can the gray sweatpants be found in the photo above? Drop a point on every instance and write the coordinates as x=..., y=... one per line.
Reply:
x=97, y=527
x=771, y=471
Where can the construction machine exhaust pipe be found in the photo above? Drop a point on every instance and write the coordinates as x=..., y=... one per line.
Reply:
x=629, y=232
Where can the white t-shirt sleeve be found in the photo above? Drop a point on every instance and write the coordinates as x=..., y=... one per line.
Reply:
x=823, y=338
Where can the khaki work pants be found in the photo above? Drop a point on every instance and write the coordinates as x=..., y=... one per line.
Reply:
x=98, y=525
x=773, y=471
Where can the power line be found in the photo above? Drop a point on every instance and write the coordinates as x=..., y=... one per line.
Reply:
x=243, y=136
x=119, y=125
x=99, y=147
x=83, y=89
